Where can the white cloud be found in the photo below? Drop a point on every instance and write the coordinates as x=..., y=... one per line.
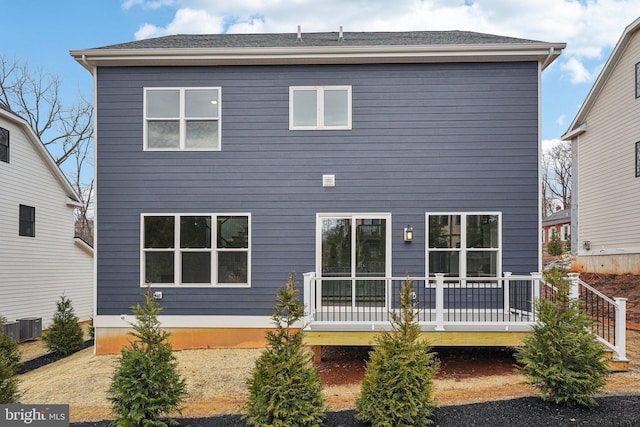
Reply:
x=589, y=27
x=576, y=71
x=561, y=119
x=548, y=144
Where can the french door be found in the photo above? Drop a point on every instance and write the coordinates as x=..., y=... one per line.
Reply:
x=352, y=249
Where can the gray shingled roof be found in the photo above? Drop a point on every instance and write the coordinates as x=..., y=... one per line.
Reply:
x=558, y=217
x=286, y=40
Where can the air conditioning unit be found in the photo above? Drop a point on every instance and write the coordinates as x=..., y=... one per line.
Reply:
x=30, y=328
x=12, y=329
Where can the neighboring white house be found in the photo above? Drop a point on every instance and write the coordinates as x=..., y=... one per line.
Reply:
x=40, y=260
x=605, y=140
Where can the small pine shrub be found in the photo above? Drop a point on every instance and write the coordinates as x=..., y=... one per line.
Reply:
x=65, y=335
x=9, y=363
x=554, y=247
x=561, y=357
x=146, y=384
x=398, y=382
x=284, y=388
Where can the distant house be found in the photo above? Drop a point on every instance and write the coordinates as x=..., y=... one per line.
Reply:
x=225, y=162
x=559, y=223
x=605, y=140
x=39, y=258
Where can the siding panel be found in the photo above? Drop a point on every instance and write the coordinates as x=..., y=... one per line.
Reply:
x=425, y=138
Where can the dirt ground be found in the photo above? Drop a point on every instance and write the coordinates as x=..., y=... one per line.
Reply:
x=216, y=378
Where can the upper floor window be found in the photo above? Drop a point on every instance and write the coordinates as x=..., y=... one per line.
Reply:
x=464, y=245
x=4, y=145
x=182, y=119
x=319, y=107
x=194, y=250
x=638, y=80
x=27, y=221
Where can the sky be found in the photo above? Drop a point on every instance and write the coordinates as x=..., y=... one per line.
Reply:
x=43, y=32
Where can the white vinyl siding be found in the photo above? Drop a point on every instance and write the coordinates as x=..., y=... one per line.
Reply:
x=35, y=272
x=608, y=188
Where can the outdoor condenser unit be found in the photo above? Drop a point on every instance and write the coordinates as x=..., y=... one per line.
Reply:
x=30, y=328
x=12, y=329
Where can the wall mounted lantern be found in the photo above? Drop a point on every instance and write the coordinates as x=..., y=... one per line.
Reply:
x=408, y=234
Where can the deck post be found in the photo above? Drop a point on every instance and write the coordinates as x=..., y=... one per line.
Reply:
x=309, y=309
x=621, y=329
x=574, y=293
x=537, y=282
x=439, y=301
x=506, y=292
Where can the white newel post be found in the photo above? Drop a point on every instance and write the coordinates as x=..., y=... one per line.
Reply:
x=507, y=291
x=439, y=301
x=621, y=329
x=309, y=297
x=537, y=277
x=574, y=293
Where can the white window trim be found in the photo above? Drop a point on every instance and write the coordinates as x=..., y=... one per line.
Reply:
x=214, y=251
x=182, y=119
x=320, y=107
x=463, y=241
x=353, y=217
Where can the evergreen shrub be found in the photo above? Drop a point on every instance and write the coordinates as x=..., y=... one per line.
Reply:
x=9, y=363
x=398, y=382
x=284, y=387
x=65, y=335
x=146, y=385
x=561, y=357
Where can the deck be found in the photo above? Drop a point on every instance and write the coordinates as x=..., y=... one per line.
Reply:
x=452, y=311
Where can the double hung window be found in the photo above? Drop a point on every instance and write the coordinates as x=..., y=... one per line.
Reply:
x=182, y=119
x=196, y=249
x=463, y=244
x=638, y=80
x=319, y=107
x=4, y=145
x=27, y=225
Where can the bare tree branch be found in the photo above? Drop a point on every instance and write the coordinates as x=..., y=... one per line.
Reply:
x=556, y=177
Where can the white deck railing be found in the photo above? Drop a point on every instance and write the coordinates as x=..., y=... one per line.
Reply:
x=452, y=304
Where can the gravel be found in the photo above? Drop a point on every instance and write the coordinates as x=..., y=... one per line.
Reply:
x=620, y=411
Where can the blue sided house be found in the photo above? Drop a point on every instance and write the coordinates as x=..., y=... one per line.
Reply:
x=353, y=160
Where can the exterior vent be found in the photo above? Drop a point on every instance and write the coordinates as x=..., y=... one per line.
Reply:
x=299, y=38
x=328, y=180
x=30, y=328
x=12, y=329
x=586, y=245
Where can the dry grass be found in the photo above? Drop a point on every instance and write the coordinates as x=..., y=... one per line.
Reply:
x=216, y=383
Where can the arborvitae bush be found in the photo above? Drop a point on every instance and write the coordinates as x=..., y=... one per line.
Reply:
x=65, y=335
x=398, y=381
x=561, y=357
x=146, y=384
x=284, y=388
x=9, y=364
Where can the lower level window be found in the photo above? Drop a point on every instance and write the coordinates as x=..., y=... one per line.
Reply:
x=27, y=221
x=196, y=249
x=463, y=244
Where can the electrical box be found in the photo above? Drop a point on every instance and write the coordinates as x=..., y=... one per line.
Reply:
x=12, y=329
x=30, y=328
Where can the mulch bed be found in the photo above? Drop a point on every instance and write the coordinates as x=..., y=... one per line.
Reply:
x=43, y=360
x=621, y=411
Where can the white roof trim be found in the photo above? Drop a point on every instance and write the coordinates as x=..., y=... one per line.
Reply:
x=44, y=153
x=83, y=245
x=544, y=53
x=578, y=122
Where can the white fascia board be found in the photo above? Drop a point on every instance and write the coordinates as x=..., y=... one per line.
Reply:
x=575, y=132
x=83, y=245
x=542, y=52
x=166, y=321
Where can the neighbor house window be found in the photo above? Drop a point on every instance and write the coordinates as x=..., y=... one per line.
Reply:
x=638, y=80
x=464, y=244
x=319, y=107
x=565, y=233
x=196, y=249
x=182, y=119
x=27, y=225
x=4, y=145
